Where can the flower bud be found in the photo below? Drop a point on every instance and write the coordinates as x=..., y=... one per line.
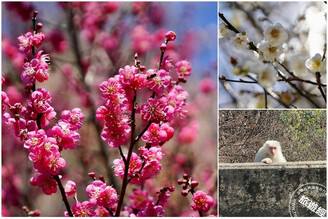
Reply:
x=194, y=184
x=184, y=192
x=39, y=26
x=170, y=36
x=163, y=47
x=35, y=13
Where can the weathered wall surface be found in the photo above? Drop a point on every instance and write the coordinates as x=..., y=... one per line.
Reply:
x=255, y=189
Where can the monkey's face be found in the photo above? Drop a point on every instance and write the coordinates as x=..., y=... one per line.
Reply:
x=273, y=150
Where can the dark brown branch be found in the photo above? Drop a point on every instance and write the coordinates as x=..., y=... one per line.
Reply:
x=77, y=53
x=62, y=191
x=126, y=169
x=318, y=75
x=122, y=155
x=237, y=81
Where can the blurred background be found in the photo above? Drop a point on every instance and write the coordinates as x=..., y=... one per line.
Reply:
x=88, y=43
x=306, y=24
x=301, y=133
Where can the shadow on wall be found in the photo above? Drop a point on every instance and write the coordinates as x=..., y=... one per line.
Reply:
x=254, y=189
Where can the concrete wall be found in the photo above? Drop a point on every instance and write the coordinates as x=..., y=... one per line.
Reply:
x=255, y=189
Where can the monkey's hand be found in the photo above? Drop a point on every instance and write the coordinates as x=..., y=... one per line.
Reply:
x=267, y=161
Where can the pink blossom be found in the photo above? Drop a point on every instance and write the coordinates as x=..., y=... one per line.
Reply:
x=151, y=154
x=114, y=136
x=70, y=188
x=102, y=212
x=65, y=137
x=93, y=190
x=206, y=85
x=37, y=39
x=183, y=68
x=155, y=135
x=28, y=74
x=14, y=95
x=152, y=157
x=47, y=116
x=46, y=182
x=107, y=198
x=168, y=129
x=127, y=74
x=152, y=210
x=57, y=39
x=158, y=80
x=25, y=42
x=35, y=139
x=139, y=199
x=54, y=163
x=188, y=134
x=110, y=87
x=111, y=7
x=36, y=69
x=12, y=53
x=41, y=99
x=134, y=167
x=201, y=202
x=22, y=127
x=141, y=40
x=74, y=118
x=156, y=111
x=4, y=101
x=83, y=209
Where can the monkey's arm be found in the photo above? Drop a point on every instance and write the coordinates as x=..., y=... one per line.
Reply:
x=267, y=161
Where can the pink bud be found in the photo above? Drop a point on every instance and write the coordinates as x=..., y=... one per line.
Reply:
x=39, y=26
x=194, y=184
x=170, y=36
x=163, y=47
x=35, y=13
x=92, y=175
x=184, y=192
x=171, y=188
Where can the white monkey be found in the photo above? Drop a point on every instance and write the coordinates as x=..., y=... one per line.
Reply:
x=270, y=153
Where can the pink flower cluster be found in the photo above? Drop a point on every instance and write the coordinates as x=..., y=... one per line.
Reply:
x=142, y=205
x=36, y=69
x=45, y=149
x=202, y=202
x=158, y=135
x=102, y=199
x=93, y=16
x=29, y=39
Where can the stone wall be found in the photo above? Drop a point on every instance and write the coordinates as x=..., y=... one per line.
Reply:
x=255, y=189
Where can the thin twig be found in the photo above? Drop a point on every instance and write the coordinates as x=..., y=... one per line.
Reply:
x=122, y=155
x=318, y=75
x=126, y=169
x=62, y=191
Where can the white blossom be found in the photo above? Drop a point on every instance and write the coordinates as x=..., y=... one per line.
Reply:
x=239, y=41
x=297, y=65
x=275, y=34
x=269, y=52
x=223, y=30
x=266, y=75
x=315, y=64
